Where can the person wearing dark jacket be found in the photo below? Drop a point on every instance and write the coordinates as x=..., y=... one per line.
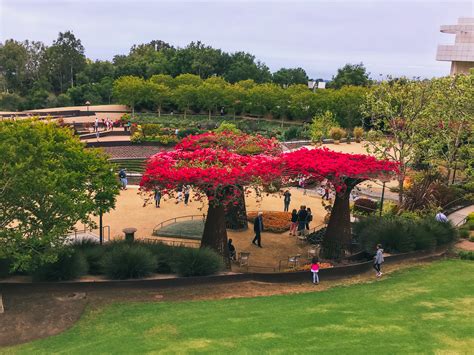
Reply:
x=302, y=219
x=258, y=228
x=286, y=200
x=232, y=253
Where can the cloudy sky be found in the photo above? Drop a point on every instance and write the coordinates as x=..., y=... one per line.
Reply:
x=397, y=37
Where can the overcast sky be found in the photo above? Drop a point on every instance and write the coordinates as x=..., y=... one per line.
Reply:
x=397, y=37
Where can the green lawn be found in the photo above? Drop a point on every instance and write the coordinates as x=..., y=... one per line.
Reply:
x=427, y=309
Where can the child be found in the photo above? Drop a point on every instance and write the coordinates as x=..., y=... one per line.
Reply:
x=315, y=270
x=378, y=260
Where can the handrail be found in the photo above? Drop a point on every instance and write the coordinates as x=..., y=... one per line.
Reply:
x=175, y=219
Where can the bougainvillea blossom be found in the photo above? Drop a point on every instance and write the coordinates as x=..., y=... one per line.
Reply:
x=336, y=167
x=239, y=143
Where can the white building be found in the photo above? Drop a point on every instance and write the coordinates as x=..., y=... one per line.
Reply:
x=461, y=53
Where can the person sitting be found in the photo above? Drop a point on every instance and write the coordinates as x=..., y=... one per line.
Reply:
x=232, y=253
x=441, y=217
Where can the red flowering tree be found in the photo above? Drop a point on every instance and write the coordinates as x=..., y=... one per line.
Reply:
x=344, y=172
x=215, y=174
x=240, y=143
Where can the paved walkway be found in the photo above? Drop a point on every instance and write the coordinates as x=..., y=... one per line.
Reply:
x=459, y=216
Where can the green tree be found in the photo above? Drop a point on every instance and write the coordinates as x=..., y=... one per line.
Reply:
x=163, y=79
x=10, y=102
x=286, y=77
x=321, y=125
x=49, y=182
x=129, y=90
x=184, y=96
x=210, y=95
x=350, y=74
x=187, y=79
x=159, y=94
x=396, y=112
x=450, y=120
x=63, y=60
x=13, y=60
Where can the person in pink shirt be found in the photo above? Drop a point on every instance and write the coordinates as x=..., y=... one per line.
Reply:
x=315, y=270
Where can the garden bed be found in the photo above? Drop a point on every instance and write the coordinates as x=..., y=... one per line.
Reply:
x=273, y=221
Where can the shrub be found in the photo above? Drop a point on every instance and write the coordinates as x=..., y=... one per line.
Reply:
x=471, y=238
x=166, y=256
x=125, y=261
x=227, y=127
x=470, y=217
x=5, y=265
x=399, y=234
x=292, y=133
x=470, y=225
x=69, y=266
x=317, y=236
x=463, y=232
x=337, y=133
x=466, y=255
x=273, y=221
x=358, y=133
x=93, y=252
x=365, y=206
x=151, y=129
x=198, y=262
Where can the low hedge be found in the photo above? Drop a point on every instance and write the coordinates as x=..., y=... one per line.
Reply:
x=466, y=254
x=400, y=234
x=365, y=206
x=127, y=261
x=273, y=221
x=69, y=266
x=198, y=262
x=317, y=236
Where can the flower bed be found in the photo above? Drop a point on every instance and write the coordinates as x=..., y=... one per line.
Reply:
x=307, y=267
x=273, y=221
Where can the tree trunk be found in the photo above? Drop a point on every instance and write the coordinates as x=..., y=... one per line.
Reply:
x=210, y=115
x=236, y=215
x=338, y=234
x=401, y=189
x=215, y=233
x=159, y=111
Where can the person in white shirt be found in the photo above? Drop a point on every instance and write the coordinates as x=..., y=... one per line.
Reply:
x=441, y=217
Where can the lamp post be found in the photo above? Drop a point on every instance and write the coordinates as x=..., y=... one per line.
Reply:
x=88, y=104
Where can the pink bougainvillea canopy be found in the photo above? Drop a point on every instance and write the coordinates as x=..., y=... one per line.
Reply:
x=320, y=164
x=240, y=143
x=209, y=170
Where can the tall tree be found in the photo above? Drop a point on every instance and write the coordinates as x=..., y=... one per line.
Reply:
x=350, y=74
x=450, y=120
x=64, y=59
x=13, y=61
x=396, y=112
x=286, y=77
x=159, y=94
x=49, y=182
x=129, y=90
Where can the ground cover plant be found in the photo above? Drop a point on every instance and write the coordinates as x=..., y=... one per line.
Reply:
x=418, y=310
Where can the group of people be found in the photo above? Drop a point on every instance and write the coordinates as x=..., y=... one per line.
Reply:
x=185, y=191
x=300, y=220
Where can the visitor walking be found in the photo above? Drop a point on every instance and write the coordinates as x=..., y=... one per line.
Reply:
x=315, y=270
x=294, y=222
x=302, y=215
x=123, y=178
x=326, y=192
x=309, y=218
x=180, y=194
x=378, y=260
x=286, y=200
x=231, y=248
x=96, y=125
x=258, y=228
x=157, y=198
x=441, y=217
x=187, y=191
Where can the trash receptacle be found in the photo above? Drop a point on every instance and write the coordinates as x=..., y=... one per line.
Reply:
x=129, y=234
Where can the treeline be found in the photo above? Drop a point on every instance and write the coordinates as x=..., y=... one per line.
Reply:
x=189, y=93
x=34, y=75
